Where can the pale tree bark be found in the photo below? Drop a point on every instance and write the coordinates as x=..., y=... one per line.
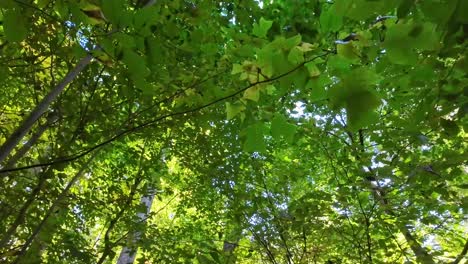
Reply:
x=11, y=162
x=128, y=253
x=40, y=109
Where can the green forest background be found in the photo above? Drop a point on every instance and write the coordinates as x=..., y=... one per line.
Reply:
x=281, y=131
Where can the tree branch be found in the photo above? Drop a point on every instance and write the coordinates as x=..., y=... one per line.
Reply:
x=462, y=254
x=156, y=120
x=40, y=109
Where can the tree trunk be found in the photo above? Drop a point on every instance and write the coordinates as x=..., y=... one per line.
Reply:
x=11, y=163
x=422, y=256
x=51, y=209
x=40, y=109
x=22, y=212
x=128, y=253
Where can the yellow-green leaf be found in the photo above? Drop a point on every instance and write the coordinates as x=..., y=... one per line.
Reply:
x=233, y=109
x=253, y=93
x=261, y=29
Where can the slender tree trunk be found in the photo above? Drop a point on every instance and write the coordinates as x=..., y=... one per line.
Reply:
x=108, y=244
x=422, y=256
x=11, y=163
x=22, y=212
x=128, y=253
x=51, y=209
x=40, y=109
x=462, y=254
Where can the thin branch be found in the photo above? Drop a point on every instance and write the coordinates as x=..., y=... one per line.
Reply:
x=138, y=179
x=39, y=10
x=462, y=254
x=40, y=109
x=156, y=120
x=51, y=209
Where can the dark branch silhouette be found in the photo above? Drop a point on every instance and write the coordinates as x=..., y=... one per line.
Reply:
x=156, y=120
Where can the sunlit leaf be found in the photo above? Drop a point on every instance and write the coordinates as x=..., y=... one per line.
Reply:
x=233, y=109
x=261, y=29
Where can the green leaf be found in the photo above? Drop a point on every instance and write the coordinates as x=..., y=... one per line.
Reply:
x=7, y=4
x=280, y=128
x=312, y=69
x=296, y=56
x=135, y=64
x=364, y=9
x=460, y=11
x=154, y=49
x=360, y=109
x=438, y=11
x=330, y=20
x=403, y=40
x=292, y=42
x=14, y=25
x=237, y=68
x=144, y=86
x=145, y=17
x=4, y=72
x=42, y=3
x=234, y=109
x=404, y=8
x=113, y=10
x=337, y=64
x=261, y=29
x=78, y=51
x=357, y=9
x=402, y=56
x=125, y=41
x=337, y=95
x=252, y=93
x=255, y=141
x=317, y=89
x=348, y=51
x=202, y=259
x=360, y=80
x=450, y=127
x=265, y=61
x=355, y=93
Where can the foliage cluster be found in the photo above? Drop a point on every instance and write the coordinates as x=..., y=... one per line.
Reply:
x=242, y=131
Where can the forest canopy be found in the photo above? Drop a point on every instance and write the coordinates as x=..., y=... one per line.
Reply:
x=243, y=131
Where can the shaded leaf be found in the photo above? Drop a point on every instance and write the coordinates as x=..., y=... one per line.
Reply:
x=14, y=25
x=280, y=128
x=255, y=141
x=261, y=29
